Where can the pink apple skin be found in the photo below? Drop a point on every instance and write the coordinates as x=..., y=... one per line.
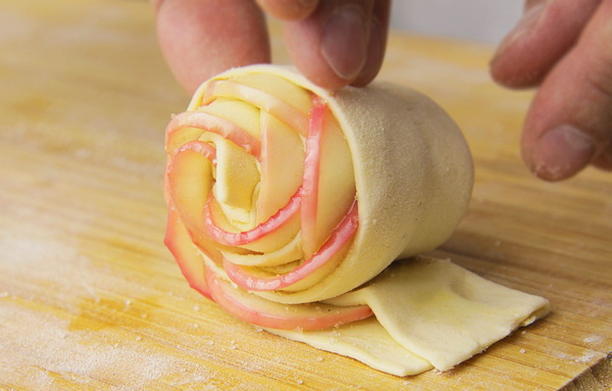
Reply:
x=211, y=123
x=202, y=148
x=310, y=184
x=259, y=98
x=339, y=237
x=261, y=312
x=190, y=262
x=186, y=166
x=187, y=205
x=240, y=238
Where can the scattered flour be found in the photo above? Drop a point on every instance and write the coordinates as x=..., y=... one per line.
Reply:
x=593, y=339
x=39, y=348
x=586, y=357
x=42, y=353
x=40, y=258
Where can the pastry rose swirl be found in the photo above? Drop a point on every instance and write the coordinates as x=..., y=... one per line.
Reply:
x=282, y=195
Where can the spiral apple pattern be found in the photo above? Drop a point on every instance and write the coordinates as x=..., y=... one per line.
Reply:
x=260, y=182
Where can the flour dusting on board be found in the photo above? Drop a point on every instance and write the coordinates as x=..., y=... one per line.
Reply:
x=37, y=328
x=44, y=348
x=41, y=258
x=586, y=357
x=593, y=339
x=99, y=328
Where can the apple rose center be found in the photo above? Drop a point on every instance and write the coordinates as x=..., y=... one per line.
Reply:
x=261, y=176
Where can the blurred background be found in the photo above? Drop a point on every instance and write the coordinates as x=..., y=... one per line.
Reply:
x=485, y=21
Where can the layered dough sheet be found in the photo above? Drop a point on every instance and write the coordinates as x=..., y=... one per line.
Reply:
x=430, y=313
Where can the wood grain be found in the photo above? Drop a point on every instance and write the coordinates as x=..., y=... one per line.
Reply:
x=91, y=300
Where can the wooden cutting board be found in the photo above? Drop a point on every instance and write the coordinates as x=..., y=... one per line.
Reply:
x=91, y=300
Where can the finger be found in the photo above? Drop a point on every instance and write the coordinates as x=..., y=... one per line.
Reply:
x=379, y=29
x=569, y=124
x=547, y=30
x=200, y=38
x=531, y=3
x=288, y=9
x=604, y=159
x=337, y=43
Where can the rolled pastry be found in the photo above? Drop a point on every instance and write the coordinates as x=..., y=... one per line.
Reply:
x=284, y=199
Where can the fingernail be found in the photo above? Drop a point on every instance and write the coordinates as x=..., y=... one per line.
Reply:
x=307, y=3
x=344, y=41
x=156, y=4
x=375, y=53
x=526, y=23
x=562, y=152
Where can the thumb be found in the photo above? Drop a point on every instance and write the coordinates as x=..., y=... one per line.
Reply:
x=569, y=124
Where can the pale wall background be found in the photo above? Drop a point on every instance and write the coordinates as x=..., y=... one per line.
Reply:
x=479, y=20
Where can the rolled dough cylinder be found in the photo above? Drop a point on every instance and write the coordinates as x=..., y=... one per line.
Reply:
x=284, y=199
x=413, y=174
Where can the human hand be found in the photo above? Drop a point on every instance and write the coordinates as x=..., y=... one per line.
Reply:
x=565, y=47
x=333, y=42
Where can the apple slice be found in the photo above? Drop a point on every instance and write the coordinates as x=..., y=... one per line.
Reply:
x=340, y=236
x=329, y=179
x=277, y=221
x=210, y=123
x=289, y=253
x=282, y=165
x=189, y=176
x=258, y=96
x=310, y=183
x=277, y=86
x=178, y=136
x=336, y=189
x=272, y=240
x=265, y=313
x=236, y=178
x=189, y=260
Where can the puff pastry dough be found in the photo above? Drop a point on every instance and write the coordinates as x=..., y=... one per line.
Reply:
x=284, y=200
